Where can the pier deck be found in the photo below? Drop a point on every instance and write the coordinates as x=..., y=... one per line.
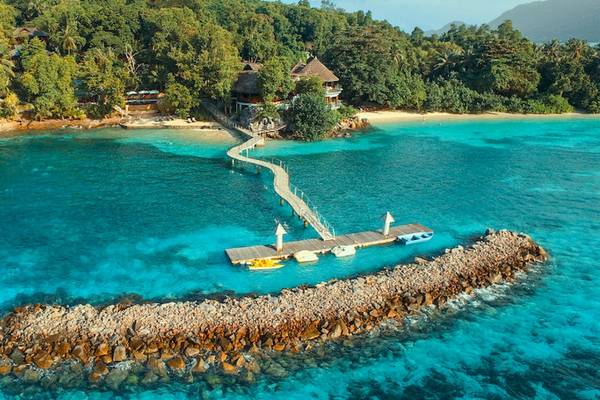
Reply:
x=244, y=255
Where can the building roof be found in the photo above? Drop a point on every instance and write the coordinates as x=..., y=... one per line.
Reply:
x=314, y=67
x=247, y=83
x=28, y=32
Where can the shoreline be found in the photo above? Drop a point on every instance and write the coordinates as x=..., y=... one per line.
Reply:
x=392, y=116
x=229, y=336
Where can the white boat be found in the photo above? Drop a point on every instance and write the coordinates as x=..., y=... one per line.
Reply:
x=305, y=256
x=415, y=238
x=344, y=251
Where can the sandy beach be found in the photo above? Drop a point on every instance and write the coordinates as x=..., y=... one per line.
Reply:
x=390, y=117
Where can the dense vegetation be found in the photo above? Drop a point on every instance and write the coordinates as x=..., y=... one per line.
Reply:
x=99, y=49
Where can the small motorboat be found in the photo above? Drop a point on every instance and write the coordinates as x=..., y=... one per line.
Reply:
x=415, y=238
x=344, y=251
x=264, y=265
x=305, y=256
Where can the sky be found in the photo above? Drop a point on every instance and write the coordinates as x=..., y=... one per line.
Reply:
x=428, y=14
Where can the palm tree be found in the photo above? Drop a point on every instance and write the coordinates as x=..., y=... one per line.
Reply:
x=69, y=39
x=6, y=73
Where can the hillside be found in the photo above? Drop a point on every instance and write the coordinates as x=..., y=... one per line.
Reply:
x=443, y=29
x=542, y=21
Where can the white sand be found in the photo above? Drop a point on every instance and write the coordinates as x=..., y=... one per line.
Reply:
x=385, y=117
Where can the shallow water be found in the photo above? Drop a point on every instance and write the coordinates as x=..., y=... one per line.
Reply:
x=111, y=213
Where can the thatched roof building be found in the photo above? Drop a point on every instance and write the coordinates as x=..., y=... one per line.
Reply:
x=314, y=67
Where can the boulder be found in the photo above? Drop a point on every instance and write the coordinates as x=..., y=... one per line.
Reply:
x=43, y=360
x=310, y=333
x=102, y=350
x=80, y=353
x=5, y=366
x=119, y=354
x=229, y=369
x=176, y=363
x=157, y=367
x=192, y=351
x=100, y=368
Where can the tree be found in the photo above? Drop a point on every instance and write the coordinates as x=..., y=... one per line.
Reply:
x=47, y=82
x=177, y=100
x=7, y=22
x=310, y=85
x=274, y=80
x=103, y=77
x=310, y=118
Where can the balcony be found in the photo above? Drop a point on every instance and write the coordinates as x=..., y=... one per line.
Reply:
x=333, y=91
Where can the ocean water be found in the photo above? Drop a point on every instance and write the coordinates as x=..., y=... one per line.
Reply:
x=101, y=215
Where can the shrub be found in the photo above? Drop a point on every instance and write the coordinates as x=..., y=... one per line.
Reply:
x=310, y=118
x=177, y=100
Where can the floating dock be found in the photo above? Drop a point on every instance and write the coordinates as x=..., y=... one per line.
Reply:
x=245, y=255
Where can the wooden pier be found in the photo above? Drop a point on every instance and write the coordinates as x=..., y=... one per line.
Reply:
x=281, y=183
x=245, y=255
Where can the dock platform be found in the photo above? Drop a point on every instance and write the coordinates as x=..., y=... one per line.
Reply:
x=245, y=255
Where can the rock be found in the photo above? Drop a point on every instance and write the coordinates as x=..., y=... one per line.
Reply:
x=199, y=366
x=100, y=368
x=279, y=347
x=115, y=377
x=176, y=363
x=63, y=349
x=191, y=351
x=229, y=369
x=213, y=380
x=81, y=354
x=119, y=354
x=5, y=366
x=310, y=333
x=102, y=350
x=149, y=378
x=157, y=367
x=336, y=332
x=139, y=356
x=31, y=375
x=43, y=360
x=17, y=356
x=276, y=370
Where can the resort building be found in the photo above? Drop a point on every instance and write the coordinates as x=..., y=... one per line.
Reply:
x=314, y=67
x=246, y=91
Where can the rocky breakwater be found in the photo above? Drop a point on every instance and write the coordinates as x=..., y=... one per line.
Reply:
x=150, y=342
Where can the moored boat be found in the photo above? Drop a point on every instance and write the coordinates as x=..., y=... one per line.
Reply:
x=344, y=251
x=305, y=256
x=415, y=238
x=264, y=265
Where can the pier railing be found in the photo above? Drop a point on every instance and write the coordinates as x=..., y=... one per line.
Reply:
x=295, y=197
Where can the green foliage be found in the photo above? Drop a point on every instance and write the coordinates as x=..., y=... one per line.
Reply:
x=103, y=78
x=199, y=43
x=310, y=85
x=8, y=105
x=346, y=111
x=268, y=110
x=310, y=118
x=274, y=79
x=7, y=22
x=47, y=82
x=177, y=99
x=594, y=106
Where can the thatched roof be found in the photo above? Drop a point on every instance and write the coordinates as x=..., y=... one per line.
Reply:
x=314, y=67
x=247, y=83
x=28, y=32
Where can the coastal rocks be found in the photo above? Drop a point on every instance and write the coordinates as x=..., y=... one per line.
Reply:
x=239, y=338
x=119, y=354
x=5, y=366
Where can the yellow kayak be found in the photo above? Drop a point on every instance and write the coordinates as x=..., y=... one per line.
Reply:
x=262, y=265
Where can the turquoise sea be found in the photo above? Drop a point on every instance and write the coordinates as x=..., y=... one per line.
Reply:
x=102, y=215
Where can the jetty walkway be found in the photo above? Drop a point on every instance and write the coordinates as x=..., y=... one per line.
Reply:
x=281, y=181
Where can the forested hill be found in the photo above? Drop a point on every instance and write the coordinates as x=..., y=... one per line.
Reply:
x=99, y=49
x=543, y=21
